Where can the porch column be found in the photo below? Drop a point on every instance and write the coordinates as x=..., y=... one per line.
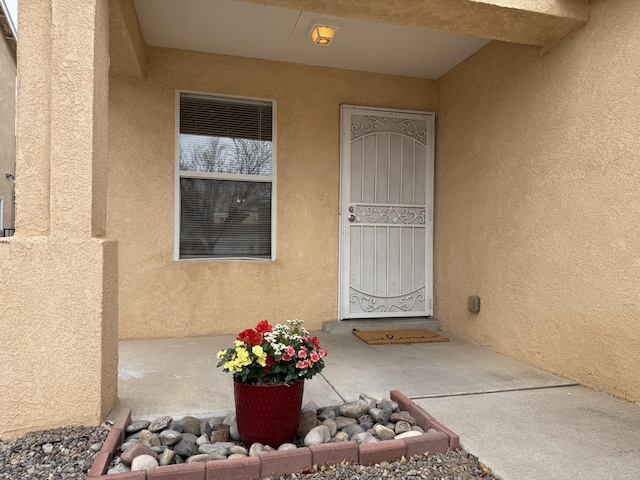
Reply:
x=58, y=274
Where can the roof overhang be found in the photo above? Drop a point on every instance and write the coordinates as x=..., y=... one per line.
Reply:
x=422, y=38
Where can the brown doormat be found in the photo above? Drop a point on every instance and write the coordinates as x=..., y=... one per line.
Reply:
x=379, y=337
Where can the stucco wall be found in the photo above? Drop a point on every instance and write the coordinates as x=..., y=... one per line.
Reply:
x=59, y=333
x=7, y=130
x=160, y=297
x=58, y=284
x=537, y=203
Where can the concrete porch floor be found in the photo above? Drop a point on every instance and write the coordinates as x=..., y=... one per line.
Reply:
x=520, y=421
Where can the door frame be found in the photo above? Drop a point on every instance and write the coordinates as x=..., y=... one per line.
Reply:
x=343, y=264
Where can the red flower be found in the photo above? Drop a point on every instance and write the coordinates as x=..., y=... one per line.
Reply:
x=269, y=362
x=263, y=327
x=314, y=342
x=250, y=337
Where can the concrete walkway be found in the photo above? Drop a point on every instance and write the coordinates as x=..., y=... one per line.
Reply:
x=522, y=422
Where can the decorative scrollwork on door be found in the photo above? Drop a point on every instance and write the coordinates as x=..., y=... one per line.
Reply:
x=409, y=128
x=390, y=214
x=368, y=124
x=367, y=304
x=401, y=303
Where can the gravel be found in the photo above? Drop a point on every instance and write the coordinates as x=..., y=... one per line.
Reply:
x=67, y=453
x=453, y=465
x=63, y=453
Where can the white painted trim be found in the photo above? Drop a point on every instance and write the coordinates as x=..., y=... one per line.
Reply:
x=274, y=174
x=410, y=113
x=176, y=179
x=227, y=259
x=343, y=269
x=227, y=176
x=342, y=273
x=229, y=98
x=224, y=176
x=431, y=121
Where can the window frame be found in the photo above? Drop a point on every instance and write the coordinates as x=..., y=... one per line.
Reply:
x=178, y=174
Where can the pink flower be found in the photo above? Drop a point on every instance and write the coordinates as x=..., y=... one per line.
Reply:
x=314, y=357
x=302, y=353
x=302, y=364
x=290, y=351
x=323, y=353
x=286, y=357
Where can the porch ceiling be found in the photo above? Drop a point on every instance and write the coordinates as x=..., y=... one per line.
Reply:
x=422, y=39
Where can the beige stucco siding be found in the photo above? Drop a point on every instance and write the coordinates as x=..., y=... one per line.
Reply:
x=537, y=201
x=7, y=130
x=160, y=297
x=59, y=340
x=59, y=317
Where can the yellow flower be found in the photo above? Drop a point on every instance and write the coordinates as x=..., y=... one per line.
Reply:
x=242, y=358
x=239, y=343
x=229, y=365
x=242, y=353
x=221, y=353
x=260, y=353
x=239, y=363
x=257, y=351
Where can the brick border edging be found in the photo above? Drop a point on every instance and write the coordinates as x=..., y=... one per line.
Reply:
x=288, y=461
x=424, y=419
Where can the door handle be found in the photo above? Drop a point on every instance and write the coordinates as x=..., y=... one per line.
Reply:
x=352, y=218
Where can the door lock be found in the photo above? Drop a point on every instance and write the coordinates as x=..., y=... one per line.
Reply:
x=351, y=209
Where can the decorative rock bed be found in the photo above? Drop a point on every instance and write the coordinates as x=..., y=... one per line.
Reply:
x=364, y=432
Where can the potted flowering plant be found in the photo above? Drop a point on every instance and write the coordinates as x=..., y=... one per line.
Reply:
x=269, y=366
x=270, y=355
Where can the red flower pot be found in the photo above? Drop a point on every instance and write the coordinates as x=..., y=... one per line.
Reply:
x=269, y=414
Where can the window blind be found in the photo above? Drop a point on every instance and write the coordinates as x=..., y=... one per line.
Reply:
x=217, y=117
x=224, y=218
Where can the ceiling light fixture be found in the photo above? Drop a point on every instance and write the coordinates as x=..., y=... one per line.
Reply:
x=322, y=34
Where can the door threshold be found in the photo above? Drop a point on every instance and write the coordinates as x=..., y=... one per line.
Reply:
x=347, y=326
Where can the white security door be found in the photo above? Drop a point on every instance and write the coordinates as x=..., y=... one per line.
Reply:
x=386, y=221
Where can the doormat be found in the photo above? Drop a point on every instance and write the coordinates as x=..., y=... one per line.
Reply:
x=380, y=337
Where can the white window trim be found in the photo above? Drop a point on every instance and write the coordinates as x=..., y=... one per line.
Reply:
x=253, y=178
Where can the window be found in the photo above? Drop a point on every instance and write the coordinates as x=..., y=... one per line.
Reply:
x=225, y=178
